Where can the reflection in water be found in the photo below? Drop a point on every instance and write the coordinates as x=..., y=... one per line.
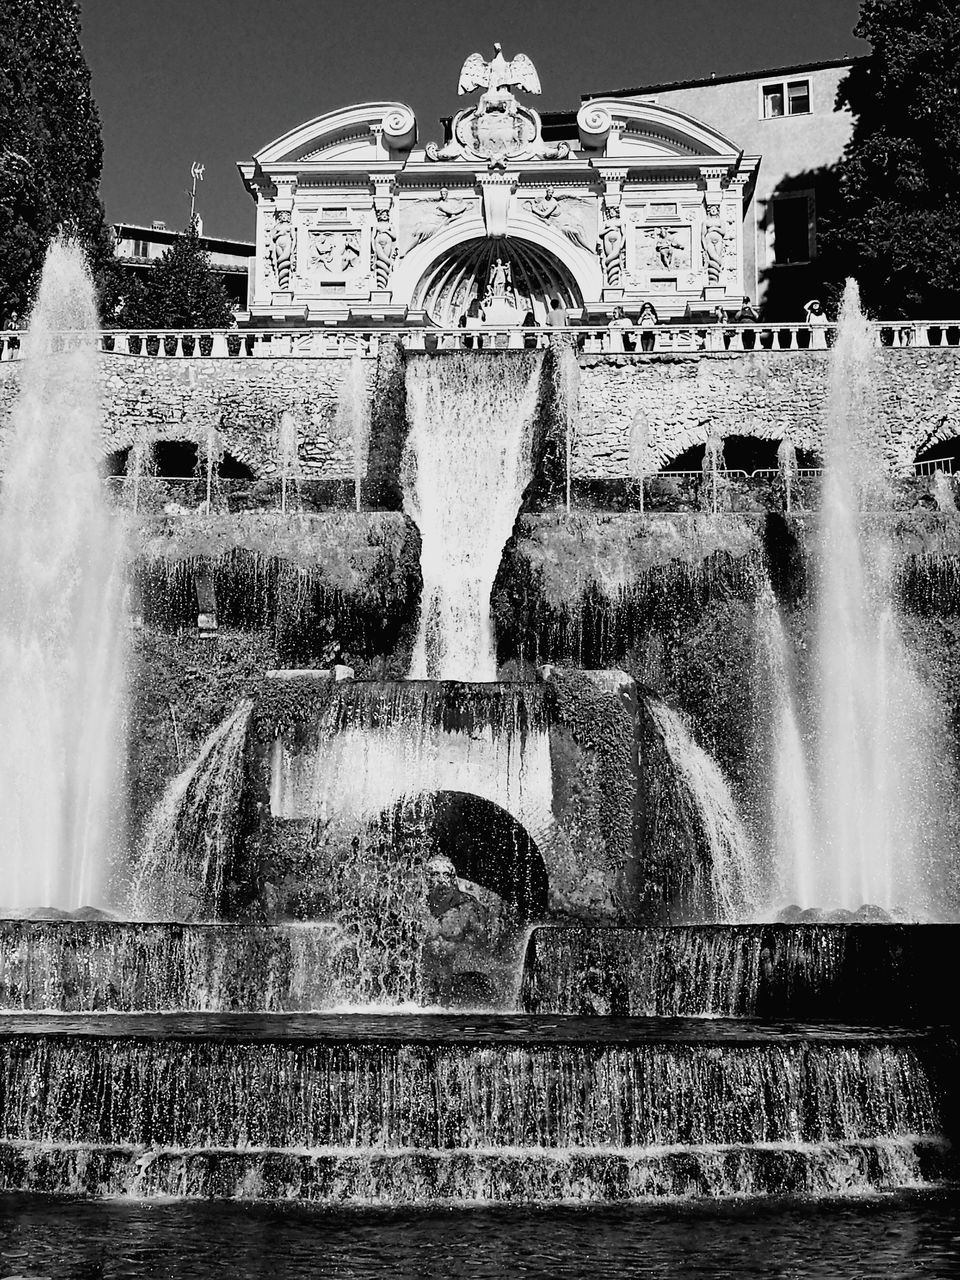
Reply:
x=896, y=1237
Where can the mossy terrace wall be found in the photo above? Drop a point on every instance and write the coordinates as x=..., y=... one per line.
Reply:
x=681, y=399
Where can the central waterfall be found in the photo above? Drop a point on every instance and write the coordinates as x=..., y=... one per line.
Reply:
x=465, y=469
x=61, y=628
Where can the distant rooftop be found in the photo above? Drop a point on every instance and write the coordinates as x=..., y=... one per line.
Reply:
x=160, y=233
x=771, y=73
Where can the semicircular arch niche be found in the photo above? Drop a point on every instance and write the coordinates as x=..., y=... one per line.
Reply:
x=461, y=274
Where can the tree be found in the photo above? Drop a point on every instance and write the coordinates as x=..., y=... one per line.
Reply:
x=895, y=220
x=50, y=147
x=180, y=292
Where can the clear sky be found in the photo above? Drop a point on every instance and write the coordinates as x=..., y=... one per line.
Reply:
x=216, y=80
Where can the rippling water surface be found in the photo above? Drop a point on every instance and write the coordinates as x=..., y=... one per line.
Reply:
x=900, y=1236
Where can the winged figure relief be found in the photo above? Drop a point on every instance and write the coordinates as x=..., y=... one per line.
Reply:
x=499, y=78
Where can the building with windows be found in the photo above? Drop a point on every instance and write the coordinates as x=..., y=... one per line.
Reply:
x=138, y=248
x=787, y=117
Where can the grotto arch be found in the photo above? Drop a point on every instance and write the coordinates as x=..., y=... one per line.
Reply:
x=460, y=275
x=488, y=846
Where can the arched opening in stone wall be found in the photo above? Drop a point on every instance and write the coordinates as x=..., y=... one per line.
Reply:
x=463, y=274
x=945, y=455
x=177, y=459
x=115, y=463
x=490, y=847
x=741, y=453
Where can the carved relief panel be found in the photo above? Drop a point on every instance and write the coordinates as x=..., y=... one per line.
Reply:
x=662, y=249
x=334, y=249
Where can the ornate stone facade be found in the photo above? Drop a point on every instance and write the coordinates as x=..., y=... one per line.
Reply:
x=358, y=222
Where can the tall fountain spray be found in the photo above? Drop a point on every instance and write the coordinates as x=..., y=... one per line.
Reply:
x=465, y=468
x=877, y=826
x=61, y=632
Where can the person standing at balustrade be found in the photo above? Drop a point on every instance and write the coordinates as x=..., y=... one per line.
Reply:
x=617, y=338
x=647, y=321
x=747, y=314
x=816, y=318
x=473, y=319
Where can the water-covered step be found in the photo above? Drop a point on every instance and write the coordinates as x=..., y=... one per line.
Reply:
x=86, y=965
x=447, y=1108
x=873, y=973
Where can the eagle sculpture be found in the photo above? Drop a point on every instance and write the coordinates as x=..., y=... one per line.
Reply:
x=498, y=77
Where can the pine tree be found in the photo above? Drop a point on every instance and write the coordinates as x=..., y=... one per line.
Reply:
x=895, y=221
x=181, y=291
x=50, y=147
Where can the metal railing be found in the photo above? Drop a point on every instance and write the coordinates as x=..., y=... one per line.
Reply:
x=176, y=496
x=332, y=343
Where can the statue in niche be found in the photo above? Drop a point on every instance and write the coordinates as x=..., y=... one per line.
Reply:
x=498, y=78
x=611, y=247
x=281, y=249
x=712, y=241
x=384, y=248
x=498, y=280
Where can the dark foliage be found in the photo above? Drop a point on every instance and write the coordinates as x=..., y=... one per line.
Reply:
x=50, y=150
x=895, y=218
x=181, y=292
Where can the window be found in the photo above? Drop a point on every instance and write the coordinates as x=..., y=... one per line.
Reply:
x=141, y=249
x=793, y=228
x=798, y=98
x=785, y=97
x=772, y=101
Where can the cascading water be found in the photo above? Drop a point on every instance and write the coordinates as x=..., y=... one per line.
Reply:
x=730, y=889
x=466, y=465
x=362, y=786
x=875, y=835
x=188, y=842
x=62, y=668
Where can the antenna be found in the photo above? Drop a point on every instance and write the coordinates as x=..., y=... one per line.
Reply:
x=196, y=172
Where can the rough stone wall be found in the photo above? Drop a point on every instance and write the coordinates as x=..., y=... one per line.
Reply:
x=145, y=398
x=682, y=400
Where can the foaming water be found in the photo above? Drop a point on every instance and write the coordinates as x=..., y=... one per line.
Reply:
x=872, y=830
x=466, y=464
x=730, y=890
x=61, y=631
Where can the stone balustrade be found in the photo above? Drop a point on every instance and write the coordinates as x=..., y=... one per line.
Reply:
x=333, y=343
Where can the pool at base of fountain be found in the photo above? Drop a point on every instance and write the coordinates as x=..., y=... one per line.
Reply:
x=903, y=1236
